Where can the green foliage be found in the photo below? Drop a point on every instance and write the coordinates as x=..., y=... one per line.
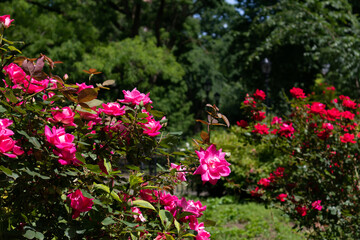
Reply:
x=133, y=62
x=234, y=220
x=249, y=160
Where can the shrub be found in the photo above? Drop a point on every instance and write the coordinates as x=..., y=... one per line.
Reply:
x=71, y=164
x=317, y=183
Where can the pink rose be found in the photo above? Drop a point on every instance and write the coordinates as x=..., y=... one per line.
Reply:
x=113, y=109
x=242, y=123
x=282, y=197
x=212, y=164
x=276, y=120
x=65, y=116
x=264, y=182
x=347, y=137
x=180, y=175
x=261, y=129
x=193, y=207
x=286, y=130
x=79, y=203
x=317, y=205
x=6, y=21
x=301, y=210
x=152, y=128
x=297, y=93
x=83, y=86
x=260, y=94
x=135, y=97
x=201, y=233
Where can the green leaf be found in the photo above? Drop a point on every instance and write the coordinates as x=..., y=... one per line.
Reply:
x=39, y=235
x=108, y=221
x=12, y=48
x=129, y=224
x=169, y=237
x=10, y=95
x=29, y=234
x=115, y=196
x=142, y=115
x=94, y=103
x=2, y=109
x=166, y=218
x=80, y=157
x=8, y=172
x=102, y=187
x=107, y=165
x=177, y=225
x=209, y=223
x=143, y=204
x=93, y=168
x=33, y=174
x=157, y=114
x=184, y=214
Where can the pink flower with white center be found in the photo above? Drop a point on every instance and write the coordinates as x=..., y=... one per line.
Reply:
x=199, y=227
x=317, y=205
x=286, y=130
x=152, y=128
x=180, y=175
x=83, y=86
x=327, y=127
x=264, y=182
x=135, y=97
x=113, y=109
x=80, y=203
x=276, y=120
x=52, y=135
x=317, y=108
x=212, y=165
x=138, y=217
x=6, y=21
x=65, y=116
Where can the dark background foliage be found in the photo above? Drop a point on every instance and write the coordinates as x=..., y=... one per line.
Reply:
x=175, y=48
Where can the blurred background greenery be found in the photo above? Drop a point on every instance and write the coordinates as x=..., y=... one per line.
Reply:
x=189, y=52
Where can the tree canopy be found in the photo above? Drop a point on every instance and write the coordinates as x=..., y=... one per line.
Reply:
x=175, y=48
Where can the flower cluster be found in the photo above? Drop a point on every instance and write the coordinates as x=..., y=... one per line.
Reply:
x=317, y=149
x=180, y=209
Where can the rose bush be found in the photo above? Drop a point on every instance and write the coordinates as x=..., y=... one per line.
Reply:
x=317, y=181
x=71, y=164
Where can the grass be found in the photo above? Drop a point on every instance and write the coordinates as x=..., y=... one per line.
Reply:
x=236, y=221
